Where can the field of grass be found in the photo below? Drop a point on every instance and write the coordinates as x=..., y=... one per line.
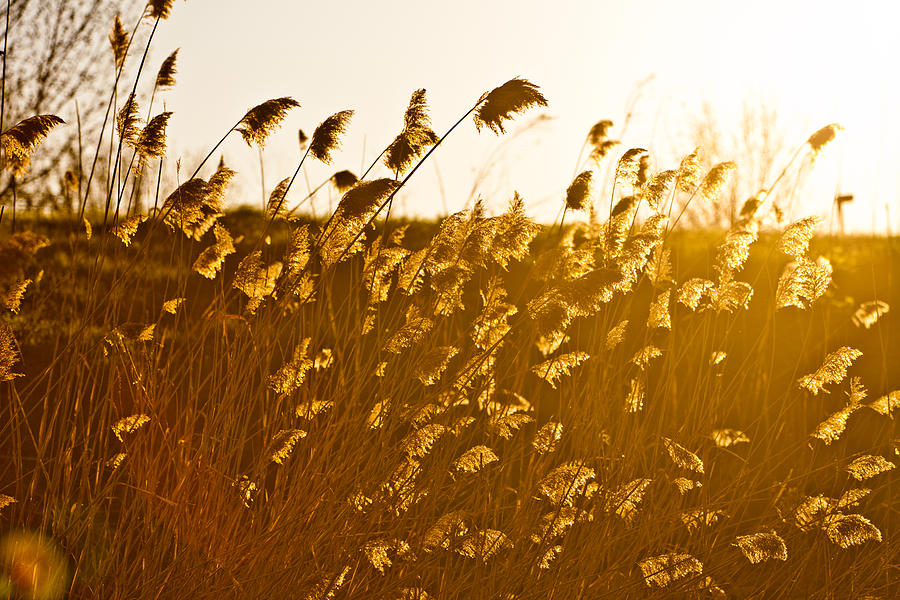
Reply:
x=200, y=403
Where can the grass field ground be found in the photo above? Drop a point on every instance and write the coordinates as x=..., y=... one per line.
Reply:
x=318, y=448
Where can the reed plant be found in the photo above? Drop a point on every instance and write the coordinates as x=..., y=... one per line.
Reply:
x=272, y=406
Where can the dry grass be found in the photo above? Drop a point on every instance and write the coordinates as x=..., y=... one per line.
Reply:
x=269, y=408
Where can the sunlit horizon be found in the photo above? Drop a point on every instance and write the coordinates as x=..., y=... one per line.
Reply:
x=813, y=63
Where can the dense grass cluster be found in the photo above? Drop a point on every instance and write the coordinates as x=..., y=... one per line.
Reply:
x=249, y=405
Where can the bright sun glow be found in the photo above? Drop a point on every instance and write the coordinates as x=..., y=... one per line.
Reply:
x=812, y=63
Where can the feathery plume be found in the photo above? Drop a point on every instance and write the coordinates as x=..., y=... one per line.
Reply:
x=556, y=523
x=803, y=282
x=210, y=260
x=659, y=267
x=563, y=485
x=128, y=121
x=290, y=375
x=759, y=547
x=547, y=438
x=730, y=296
x=550, y=343
x=716, y=180
x=643, y=356
x=196, y=204
x=20, y=140
x=643, y=172
x=549, y=556
x=696, y=519
x=445, y=531
x=474, y=459
x=578, y=195
x=659, y=312
x=822, y=137
x=377, y=553
x=868, y=466
x=615, y=335
x=138, y=332
x=657, y=189
x=850, y=530
x=413, y=332
x=513, y=233
x=794, y=241
x=275, y=206
x=725, y=438
x=328, y=585
x=598, y=132
x=118, y=40
x=325, y=139
x=129, y=425
x=261, y=120
x=833, y=370
x=165, y=78
x=6, y=501
x=419, y=443
x=851, y=497
x=662, y=570
x=551, y=370
x=684, y=485
x=151, y=142
x=682, y=457
x=692, y=292
x=887, y=404
x=831, y=428
x=9, y=353
x=12, y=297
x=689, y=171
x=484, y=544
x=344, y=180
x=256, y=279
x=283, y=443
x=433, y=363
x=628, y=166
x=734, y=251
x=172, y=306
x=601, y=151
x=868, y=313
x=626, y=499
x=505, y=426
x=159, y=9
x=600, y=144
x=126, y=229
x=416, y=136
x=365, y=197
x=501, y=103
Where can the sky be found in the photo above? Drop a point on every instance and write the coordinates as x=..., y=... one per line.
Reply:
x=814, y=63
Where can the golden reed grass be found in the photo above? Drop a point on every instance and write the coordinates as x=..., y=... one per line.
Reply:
x=273, y=406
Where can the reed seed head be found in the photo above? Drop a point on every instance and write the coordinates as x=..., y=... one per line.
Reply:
x=501, y=103
x=20, y=140
x=262, y=120
x=325, y=139
x=165, y=78
x=416, y=136
x=118, y=40
x=578, y=195
x=159, y=9
x=344, y=180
